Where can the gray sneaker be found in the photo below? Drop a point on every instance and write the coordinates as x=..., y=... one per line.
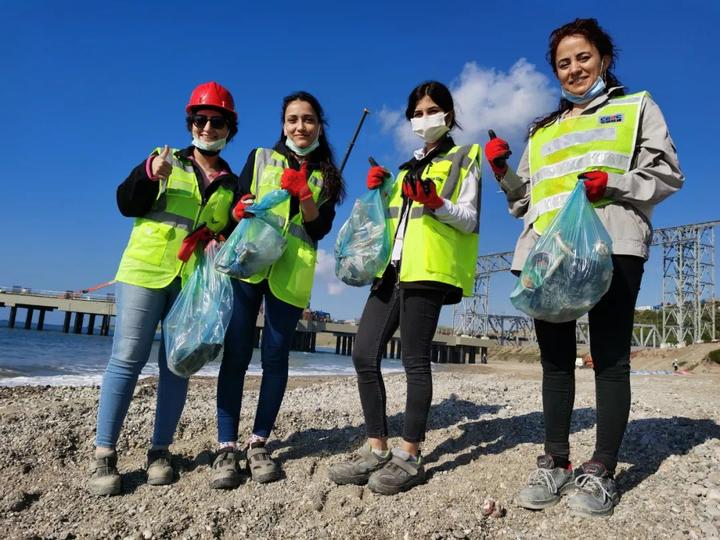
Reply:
x=159, y=468
x=104, y=476
x=545, y=485
x=225, y=470
x=399, y=474
x=597, y=493
x=358, y=468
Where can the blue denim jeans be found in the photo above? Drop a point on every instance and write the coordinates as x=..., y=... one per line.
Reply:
x=281, y=319
x=139, y=310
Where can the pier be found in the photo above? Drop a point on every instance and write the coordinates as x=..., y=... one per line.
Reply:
x=79, y=308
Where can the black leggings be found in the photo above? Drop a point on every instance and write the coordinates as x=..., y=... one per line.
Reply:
x=416, y=311
x=611, y=326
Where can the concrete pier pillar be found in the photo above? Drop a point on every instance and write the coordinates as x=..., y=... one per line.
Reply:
x=471, y=355
x=91, y=324
x=399, y=349
x=313, y=341
x=13, y=314
x=41, y=319
x=350, y=345
x=392, y=348
x=28, y=318
x=337, y=344
x=77, y=329
x=66, y=323
x=105, y=325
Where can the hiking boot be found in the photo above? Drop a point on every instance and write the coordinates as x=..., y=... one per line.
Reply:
x=225, y=470
x=597, y=493
x=399, y=474
x=159, y=467
x=545, y=485
x=261, y=466
x=104, y=476
x=359, y=467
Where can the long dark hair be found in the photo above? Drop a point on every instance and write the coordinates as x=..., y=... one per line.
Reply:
x=439, y=93
x=333, y=185
x=593, y=32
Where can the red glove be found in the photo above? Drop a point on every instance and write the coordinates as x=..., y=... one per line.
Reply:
x=240, y=211
x=422, y=191
x=376, y=176
x=497, y=151
x=296, y=182
x=595, y=184
x=201, y=234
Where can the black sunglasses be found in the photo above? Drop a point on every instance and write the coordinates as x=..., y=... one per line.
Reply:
x=216, y=122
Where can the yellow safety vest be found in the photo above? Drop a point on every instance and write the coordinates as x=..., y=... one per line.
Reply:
x=432, y=250
x=290, y=277
x=603, y=140
x=150, y=258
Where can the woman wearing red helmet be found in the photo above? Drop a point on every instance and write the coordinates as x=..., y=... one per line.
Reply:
x=170, y=194
x=301, y=162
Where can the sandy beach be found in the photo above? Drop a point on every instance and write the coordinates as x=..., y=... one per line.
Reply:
x=485, y=431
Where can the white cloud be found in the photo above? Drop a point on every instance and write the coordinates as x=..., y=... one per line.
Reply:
x=325, y=273
x=486, y=98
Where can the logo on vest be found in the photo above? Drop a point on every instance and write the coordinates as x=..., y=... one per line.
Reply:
x=611, y=119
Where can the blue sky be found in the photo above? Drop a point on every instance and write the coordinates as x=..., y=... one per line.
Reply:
x=89, y=90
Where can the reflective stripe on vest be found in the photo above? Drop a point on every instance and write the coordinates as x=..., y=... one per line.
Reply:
x=291, y=277
x=558, y=153
x=432, y=250
x=150, y=258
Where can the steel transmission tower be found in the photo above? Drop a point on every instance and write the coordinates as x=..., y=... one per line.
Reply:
x=688, y=287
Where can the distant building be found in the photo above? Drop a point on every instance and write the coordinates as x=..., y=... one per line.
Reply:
x=646, y=308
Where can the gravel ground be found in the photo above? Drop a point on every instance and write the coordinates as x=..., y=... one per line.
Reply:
x=484, y=433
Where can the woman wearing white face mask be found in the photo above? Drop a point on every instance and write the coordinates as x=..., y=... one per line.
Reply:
x=619, y=146
x=434, y=208
x=301, y=162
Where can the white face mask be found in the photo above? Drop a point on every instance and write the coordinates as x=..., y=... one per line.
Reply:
x=430, y=128
x=302, y=151
x=214, y=146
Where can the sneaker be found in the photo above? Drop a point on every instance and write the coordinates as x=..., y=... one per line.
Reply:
x=104, y=476
x=225, y=470
x=597, y=493
x=399, y=474
x=545, y=485
x=359, y=467
x=261, y=466
x=159, y=468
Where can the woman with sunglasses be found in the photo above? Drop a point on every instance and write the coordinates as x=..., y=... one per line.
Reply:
x=301, y=162
x=434, y=208
x=618, y=145
x=177, y=197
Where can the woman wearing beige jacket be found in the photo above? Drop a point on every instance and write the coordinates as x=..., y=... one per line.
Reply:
x=617, y=144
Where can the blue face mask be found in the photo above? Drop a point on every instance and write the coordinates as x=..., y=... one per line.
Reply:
x=302, y=151
x=594, y=91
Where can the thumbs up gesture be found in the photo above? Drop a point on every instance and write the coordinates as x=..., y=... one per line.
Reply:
x=296, y=182
x=161, y=167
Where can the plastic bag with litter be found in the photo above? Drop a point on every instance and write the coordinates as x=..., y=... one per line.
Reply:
x=194, y=329
x=362, y=248
x=570, y=268
x=257, y=242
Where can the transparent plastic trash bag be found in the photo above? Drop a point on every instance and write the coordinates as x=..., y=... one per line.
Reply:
x=362, y=248
x=570, y=267
x=194, y=329
x=256, y=242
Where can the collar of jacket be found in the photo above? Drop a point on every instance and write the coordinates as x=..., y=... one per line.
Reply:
x=227, y=180
x=414, y=164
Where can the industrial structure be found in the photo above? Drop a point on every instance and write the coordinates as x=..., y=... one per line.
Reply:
x=688, y=303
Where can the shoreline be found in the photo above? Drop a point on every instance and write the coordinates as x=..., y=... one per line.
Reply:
x=484, y=432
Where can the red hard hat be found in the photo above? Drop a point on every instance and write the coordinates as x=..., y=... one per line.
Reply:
x=211, y=94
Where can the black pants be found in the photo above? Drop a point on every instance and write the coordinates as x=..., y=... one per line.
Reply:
x=611, y=326
x=416, y=311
